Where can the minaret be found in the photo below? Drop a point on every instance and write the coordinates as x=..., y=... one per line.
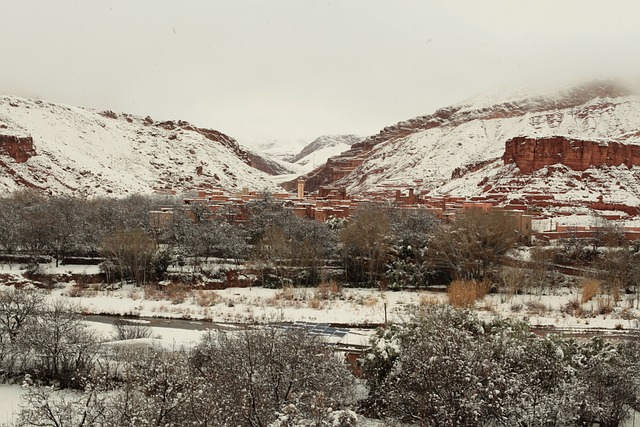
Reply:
x=300, y=188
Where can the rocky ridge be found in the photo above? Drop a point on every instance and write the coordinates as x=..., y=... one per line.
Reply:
x=61, y=149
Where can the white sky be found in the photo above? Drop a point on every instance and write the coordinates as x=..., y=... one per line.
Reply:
x=260, y=70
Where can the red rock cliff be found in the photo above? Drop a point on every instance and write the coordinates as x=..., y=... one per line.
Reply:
x=531, y=154
x=20, y=148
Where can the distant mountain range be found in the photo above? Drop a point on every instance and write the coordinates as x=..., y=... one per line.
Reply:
x=279, y=159
x=569, y=150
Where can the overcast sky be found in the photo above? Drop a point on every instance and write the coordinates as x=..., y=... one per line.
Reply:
x=295, y=69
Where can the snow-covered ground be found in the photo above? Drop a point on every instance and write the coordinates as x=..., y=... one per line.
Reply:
x=354, y=306
x=9, y=402
x=348, y=306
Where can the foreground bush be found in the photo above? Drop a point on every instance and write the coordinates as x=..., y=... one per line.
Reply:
x=446, y=367
x=254, y=377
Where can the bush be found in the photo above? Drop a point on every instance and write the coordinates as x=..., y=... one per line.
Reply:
x=590, y=288
x=127, y=330
x=464, y=293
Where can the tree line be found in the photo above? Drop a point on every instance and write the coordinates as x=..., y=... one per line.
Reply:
x=379, y=245
x=403, y=247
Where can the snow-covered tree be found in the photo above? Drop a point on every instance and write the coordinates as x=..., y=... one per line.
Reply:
x=259, y=372
x=58, y=346
x=446, y=367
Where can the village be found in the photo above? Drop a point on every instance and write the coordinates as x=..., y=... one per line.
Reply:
x=330, y=203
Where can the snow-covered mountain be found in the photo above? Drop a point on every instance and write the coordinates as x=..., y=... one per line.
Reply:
x=472, y=149
x=281, y=150
x=291, y=158
x=271, y=165
x=317, y=152
x=63, y=149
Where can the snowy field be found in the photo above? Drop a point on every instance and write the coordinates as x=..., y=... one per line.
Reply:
x=349, y=306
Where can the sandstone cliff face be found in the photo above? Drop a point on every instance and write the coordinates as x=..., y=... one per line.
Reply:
x=20, y=148
x=531, y=154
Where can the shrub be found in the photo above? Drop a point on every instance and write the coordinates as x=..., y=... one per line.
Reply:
x=604, y=305
x=126, y=330
x=177, y=293
x=574, y=307
x=329, y=290
x=464, y=293
x=206, y=298
x=590, y=288
x=315, y=303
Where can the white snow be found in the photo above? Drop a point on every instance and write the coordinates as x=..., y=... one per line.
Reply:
x=542, y=307
x=83, y=152
x=425, y=159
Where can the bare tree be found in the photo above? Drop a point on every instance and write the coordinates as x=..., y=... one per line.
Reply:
x=366, y=242
x=58, y=346
x=17, y=306
x=132, y=250
x=472, y=243
x=63, y=214
x=10, y=214
x=273, y=252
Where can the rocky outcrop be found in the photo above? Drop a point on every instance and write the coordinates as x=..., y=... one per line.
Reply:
x=531, y=154
x=471, y=167
x=210, y=134
x=20, y=148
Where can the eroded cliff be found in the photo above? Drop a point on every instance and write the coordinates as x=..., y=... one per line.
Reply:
x=20, y=148
x=532, y=154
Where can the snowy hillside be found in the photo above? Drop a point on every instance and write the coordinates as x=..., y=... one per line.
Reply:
x=85, y=152
x=459, y=149
x=431, y=155
x=271, y=165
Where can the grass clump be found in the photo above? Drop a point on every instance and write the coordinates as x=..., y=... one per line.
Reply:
x=590, y=288
x=464, y=293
